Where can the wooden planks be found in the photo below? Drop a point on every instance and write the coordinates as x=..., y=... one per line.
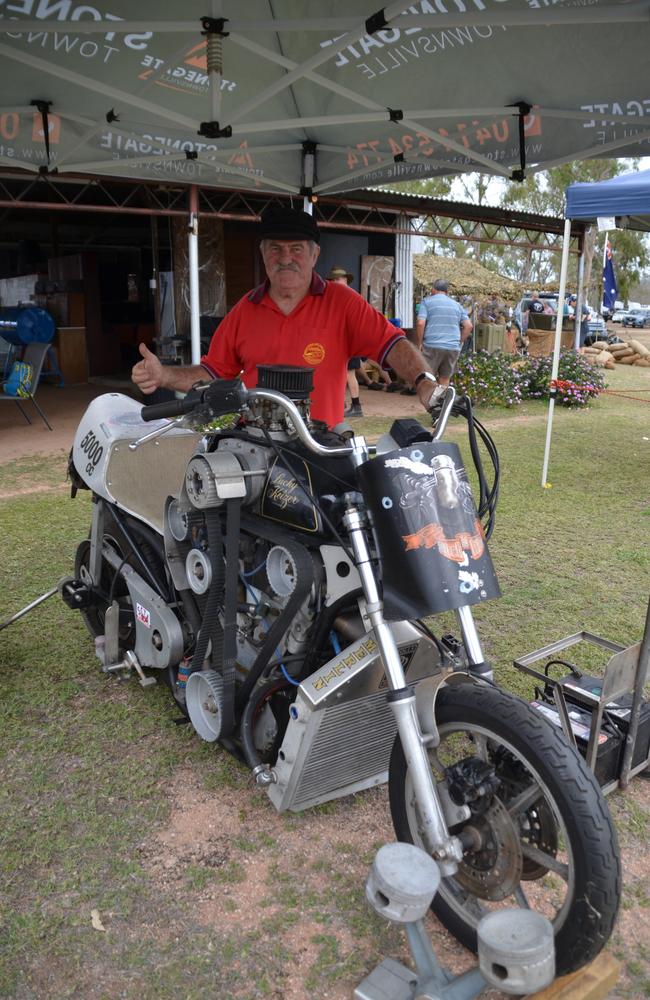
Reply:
x=593, y=982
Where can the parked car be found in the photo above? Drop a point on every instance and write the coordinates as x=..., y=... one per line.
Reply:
x=596, y=325
x=619, y=315
x=638, y=318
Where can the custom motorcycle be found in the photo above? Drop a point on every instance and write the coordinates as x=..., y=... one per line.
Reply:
x=276, y=576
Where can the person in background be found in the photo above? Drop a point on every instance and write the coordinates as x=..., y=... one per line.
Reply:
x=442, y=326
x=584, y=318
x=296, y=318
x=492, y=310
x=372, y=376
x=340, y=276
x=535, y=304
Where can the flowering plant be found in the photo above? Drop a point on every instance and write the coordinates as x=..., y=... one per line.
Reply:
x=578, y=380
x=488, y=379
x=502, y=380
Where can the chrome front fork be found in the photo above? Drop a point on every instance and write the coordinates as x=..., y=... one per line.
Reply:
x=447, y=850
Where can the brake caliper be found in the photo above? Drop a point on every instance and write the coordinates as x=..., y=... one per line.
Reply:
x=472, y=782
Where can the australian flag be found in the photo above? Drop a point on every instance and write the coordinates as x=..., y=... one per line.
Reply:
x=610, y=290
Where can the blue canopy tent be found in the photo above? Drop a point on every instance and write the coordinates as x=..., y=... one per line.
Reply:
x=627, y=200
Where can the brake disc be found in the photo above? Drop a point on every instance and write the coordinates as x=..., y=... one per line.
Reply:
x=538, y=827
x=494, y=869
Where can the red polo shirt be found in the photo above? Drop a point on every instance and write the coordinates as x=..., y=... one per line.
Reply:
x=328, y=327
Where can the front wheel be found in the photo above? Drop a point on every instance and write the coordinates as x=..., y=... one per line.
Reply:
x=540, y=831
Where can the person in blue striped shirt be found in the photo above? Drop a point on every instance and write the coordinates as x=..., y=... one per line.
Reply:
x=441, y=328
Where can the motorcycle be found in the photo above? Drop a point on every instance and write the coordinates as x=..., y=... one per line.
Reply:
x=276, y=574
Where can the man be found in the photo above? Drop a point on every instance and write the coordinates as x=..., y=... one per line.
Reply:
x=492, y=310
x=342, y=277
x=584, y=318
x=296, y=318
x=442, y=327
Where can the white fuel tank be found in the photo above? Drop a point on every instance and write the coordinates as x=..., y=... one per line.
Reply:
x=137, y=481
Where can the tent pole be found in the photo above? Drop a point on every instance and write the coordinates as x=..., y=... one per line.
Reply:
x=308, y=173
x=580, y=294
x=556, y=348
x=193, y=268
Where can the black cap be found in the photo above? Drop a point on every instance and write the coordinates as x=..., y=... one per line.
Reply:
x=288, y=224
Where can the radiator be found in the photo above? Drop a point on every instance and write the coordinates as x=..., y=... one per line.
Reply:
x=341, y=728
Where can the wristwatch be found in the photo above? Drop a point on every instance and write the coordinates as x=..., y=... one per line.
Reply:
x=425, y=375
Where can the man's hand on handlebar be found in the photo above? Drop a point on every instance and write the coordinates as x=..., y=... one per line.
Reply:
x=436, y=398
x=431, y=394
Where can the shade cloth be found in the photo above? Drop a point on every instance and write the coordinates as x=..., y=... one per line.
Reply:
x=303, y=97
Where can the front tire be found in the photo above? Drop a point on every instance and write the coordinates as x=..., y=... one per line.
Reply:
x=547, y=841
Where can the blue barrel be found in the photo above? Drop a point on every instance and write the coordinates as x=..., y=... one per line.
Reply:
x=21, y=325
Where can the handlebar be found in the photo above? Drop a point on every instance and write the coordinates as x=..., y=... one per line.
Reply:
x=223, y=396
x=170, y=408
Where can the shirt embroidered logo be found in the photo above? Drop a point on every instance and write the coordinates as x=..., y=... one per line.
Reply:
x=314, y=354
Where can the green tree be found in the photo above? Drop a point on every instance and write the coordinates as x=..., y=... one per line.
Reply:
x=544, y=193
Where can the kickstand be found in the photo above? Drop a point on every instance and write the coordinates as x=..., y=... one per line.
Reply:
x=33, y=604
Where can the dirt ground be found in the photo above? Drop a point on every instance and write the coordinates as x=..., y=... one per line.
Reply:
x=64, y=407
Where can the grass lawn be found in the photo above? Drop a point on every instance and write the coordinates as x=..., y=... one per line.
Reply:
x=93, y=769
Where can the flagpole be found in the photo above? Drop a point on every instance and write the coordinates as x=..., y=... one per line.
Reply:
x=603, y=279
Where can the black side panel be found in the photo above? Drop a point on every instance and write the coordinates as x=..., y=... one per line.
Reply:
x=431, y=543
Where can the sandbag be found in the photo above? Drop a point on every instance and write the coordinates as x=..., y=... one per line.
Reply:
x=620, y=350
x=642, y=363
x=600, y=345
x=639, y=348
x=629, y=359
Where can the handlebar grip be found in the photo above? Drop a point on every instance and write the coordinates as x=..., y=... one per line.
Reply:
x=171, y=408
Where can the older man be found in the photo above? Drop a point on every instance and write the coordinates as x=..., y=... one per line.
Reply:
x=296, y=318
x=442, y=326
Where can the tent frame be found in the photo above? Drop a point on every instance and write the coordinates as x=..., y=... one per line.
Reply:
x=345, y=31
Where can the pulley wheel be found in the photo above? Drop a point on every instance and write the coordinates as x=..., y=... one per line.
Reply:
x=204, y=703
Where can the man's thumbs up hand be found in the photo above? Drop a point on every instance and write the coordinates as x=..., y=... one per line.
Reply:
x=147, y=374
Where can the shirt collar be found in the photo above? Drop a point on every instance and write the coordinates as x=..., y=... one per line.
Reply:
x=317, y=287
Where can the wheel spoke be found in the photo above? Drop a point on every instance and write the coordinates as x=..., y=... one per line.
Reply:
x=480, y=746
x=547, y=860
x=520, y=896
x=470, y=903
x=525, y=799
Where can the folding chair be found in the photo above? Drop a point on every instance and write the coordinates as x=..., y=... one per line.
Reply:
x=34, y=355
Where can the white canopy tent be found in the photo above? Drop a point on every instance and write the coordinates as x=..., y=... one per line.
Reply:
x=280, y=97
x=624, y=199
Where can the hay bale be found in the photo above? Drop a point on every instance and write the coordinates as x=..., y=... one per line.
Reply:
x=540, y=343
x=604, y=360
x=639, y=348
